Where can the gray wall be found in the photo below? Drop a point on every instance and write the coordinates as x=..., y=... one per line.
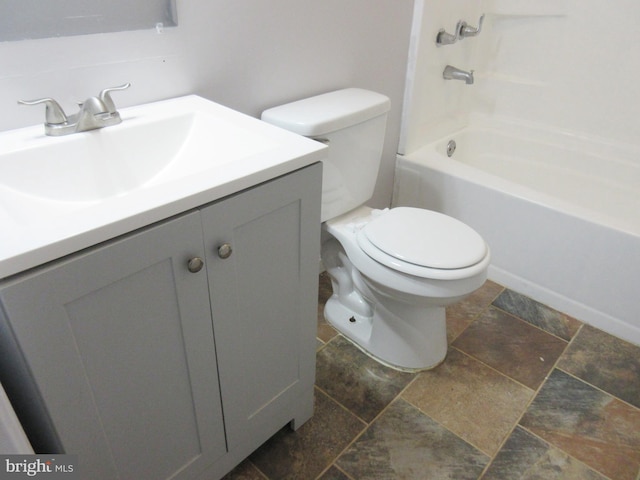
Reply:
x=246, y=54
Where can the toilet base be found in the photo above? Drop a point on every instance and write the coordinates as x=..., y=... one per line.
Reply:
x=415, y=342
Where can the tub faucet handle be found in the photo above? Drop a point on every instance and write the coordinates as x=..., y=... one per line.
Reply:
x=464, y=30
x=445, y=38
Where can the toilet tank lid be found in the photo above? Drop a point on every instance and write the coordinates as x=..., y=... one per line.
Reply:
x=328, y=112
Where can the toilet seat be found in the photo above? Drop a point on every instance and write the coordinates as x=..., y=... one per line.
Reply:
x=423, y=243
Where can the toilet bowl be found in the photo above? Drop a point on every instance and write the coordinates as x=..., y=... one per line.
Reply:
x=393, y=271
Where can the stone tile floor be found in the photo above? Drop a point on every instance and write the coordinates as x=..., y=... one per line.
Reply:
x=525, y=392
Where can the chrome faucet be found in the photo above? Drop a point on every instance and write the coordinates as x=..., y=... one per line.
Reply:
x=453, y=73
x=95, y=112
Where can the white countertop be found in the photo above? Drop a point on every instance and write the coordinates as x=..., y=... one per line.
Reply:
x=35, y=230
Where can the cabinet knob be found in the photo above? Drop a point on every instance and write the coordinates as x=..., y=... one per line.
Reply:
x=195, y=264
x=225, y=250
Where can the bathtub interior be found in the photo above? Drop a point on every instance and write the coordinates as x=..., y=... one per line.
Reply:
x=589, y=177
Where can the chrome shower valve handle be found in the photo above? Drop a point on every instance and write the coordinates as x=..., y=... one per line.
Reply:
x=464, y=30
x=445, y=38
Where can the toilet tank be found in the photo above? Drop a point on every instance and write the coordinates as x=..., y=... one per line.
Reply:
x=352, y=123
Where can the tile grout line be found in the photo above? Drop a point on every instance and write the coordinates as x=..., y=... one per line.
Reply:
x=365, y=427
x=466, y=354
x=346, y=409
x=595, y=387
x=490, y=457
x=526, y=408
x=367, y=424
x=477, y=315
x=511, y=314
x=567, y=454
x=260, y=472
x=555, y=365
x=333, y=464
x=536, y=391
x=353, y=440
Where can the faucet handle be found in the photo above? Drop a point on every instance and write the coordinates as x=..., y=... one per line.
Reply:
x=105, y=96
x=445, y=38
x=465, y=30
x=54, y=114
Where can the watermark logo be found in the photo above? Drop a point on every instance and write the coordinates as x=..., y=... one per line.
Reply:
x=39, y=467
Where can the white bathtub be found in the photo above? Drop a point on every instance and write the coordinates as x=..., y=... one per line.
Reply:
x=561, y=213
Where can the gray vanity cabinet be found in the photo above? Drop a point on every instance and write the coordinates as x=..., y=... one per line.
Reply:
x=120, y=345
x=147, y=370
x=259, y=293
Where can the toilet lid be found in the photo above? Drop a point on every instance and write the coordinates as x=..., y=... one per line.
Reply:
x=424, y=238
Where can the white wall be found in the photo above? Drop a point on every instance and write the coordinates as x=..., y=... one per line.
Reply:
x=570, y=64
x=246, y=54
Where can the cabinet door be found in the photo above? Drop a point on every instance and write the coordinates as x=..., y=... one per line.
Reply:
x=120, y=345
x=264, y=303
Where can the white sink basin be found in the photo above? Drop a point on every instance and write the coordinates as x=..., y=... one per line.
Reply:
x=97, y=165
x=61, y=194
x=112, y=161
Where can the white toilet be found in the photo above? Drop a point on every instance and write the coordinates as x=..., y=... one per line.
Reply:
x=393, y=271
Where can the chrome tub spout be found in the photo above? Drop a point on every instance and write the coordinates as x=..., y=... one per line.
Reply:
x=453, y=73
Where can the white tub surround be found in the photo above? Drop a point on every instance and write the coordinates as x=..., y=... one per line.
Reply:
x=553, y=62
